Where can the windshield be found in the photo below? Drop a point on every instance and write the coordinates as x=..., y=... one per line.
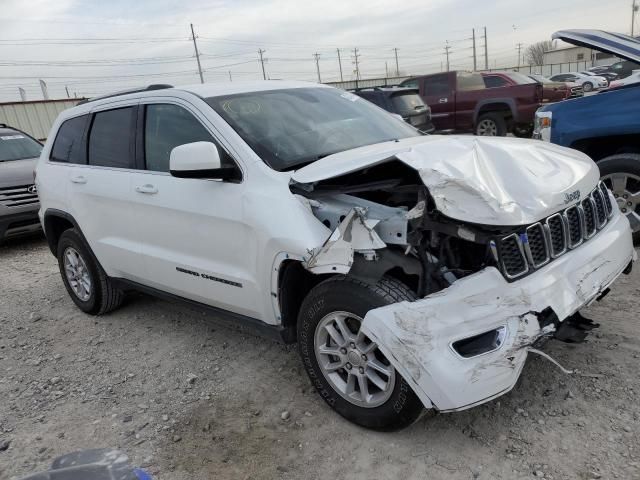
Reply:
x=17, y=146
x=292, y=127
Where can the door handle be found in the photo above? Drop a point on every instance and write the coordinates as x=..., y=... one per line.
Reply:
x=148, y=188
x=79, y=179
x=443, y=100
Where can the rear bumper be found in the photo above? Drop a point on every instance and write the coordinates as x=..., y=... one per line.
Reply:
x=417, y=337
x=18, y=224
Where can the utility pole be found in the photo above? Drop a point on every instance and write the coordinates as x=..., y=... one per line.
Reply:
x=340, y=64
x=67, y=90
x=446, y=51
x=317, y=57
x=395, y=50
x=634, y=9
x=195, y=46
x=356, y=55
x=230, y=79
x=519, y=47
x=486, y=50
x=386, y=70
x=260, y=52
x=475, y=61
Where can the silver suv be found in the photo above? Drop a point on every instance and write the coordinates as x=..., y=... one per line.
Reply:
x=18, y=196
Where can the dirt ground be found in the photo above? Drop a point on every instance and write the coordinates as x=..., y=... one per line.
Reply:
x=70, y=381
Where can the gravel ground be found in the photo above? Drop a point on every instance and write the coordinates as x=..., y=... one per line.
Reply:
x=188, y=398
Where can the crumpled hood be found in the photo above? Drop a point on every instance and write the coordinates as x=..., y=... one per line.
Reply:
x=17, y=172
x=486, y=180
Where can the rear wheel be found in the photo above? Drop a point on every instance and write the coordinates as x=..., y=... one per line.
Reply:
x=621, y=174
x=87, y=284
x=491, y=125
x=346, y=367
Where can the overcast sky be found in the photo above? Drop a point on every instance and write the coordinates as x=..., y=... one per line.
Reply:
x=98, y=46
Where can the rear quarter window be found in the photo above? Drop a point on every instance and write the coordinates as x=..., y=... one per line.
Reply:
x=68, y=145
x=468, y=81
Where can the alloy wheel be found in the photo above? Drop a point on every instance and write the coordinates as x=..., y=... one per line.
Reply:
x=487, y=128
x=626, y=190
x=351, y=362
x=77, y=274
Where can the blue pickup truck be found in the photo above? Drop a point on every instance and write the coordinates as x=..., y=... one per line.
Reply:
x=605, y=126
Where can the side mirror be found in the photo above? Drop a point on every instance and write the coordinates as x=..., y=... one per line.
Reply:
x=199, y=160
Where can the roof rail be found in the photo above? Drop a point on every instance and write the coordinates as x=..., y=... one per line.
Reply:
x=155, y=86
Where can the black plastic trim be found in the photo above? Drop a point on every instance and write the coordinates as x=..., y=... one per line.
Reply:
x=274, y=332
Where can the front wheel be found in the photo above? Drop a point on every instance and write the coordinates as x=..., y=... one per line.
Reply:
x=621, y=174
x=587, y=86
x=347, y=369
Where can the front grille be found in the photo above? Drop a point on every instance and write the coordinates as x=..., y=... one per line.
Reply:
x=18, y=196
x=577, y=92
x=536, y=245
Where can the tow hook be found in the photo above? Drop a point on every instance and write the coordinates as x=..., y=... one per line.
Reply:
x=575, y=328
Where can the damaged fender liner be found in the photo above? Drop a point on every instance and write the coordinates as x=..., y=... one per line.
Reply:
x=417, y=336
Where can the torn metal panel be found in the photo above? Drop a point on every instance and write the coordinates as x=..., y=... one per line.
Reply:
x=495, y=181
x=417, y=337
x=392, y=222
x=355, y=233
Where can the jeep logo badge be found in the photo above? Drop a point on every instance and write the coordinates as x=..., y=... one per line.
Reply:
x=32, y=189
x=571, y=197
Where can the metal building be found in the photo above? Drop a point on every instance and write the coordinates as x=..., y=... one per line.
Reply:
x=34, y=117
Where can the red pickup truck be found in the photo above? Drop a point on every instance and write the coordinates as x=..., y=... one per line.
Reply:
x=460, y=102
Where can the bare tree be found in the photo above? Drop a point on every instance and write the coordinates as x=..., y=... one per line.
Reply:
x=535, y=52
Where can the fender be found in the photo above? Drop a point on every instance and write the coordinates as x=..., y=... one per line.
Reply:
x=509, y=102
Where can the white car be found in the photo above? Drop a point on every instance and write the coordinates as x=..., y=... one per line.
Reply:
x=413, y=271
x=589, y=82
x=633, y=78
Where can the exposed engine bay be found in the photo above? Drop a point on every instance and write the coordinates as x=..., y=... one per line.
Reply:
x=382, y=218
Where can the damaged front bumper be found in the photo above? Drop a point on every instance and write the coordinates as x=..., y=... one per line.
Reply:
x=419, y=337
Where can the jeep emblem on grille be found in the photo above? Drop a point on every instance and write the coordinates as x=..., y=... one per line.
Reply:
x=32, y=189
x=571, y=197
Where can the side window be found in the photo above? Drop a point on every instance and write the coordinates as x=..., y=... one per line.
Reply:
x=168, y=126
x=436, y=85
x=111, y=136
x=493, y=81
x=67, y=147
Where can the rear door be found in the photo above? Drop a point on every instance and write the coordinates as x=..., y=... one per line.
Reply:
x=99, y=192
x=438, y=93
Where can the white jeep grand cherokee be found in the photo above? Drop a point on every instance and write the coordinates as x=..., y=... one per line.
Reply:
x=413, y=271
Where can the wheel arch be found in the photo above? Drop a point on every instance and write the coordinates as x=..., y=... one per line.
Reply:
x=55, y=223
x=604, y=146
x=491, y=105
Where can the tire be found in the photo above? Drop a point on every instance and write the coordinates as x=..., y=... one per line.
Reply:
x=397, y=406
x=523, y=131
x=612, y=170
x=491, y=124
x=100, y=296
x=588, y=86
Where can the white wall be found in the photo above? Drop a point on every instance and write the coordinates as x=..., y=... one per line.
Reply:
x=36, y=117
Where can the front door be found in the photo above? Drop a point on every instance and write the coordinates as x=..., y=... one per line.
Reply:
x=191, y=232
